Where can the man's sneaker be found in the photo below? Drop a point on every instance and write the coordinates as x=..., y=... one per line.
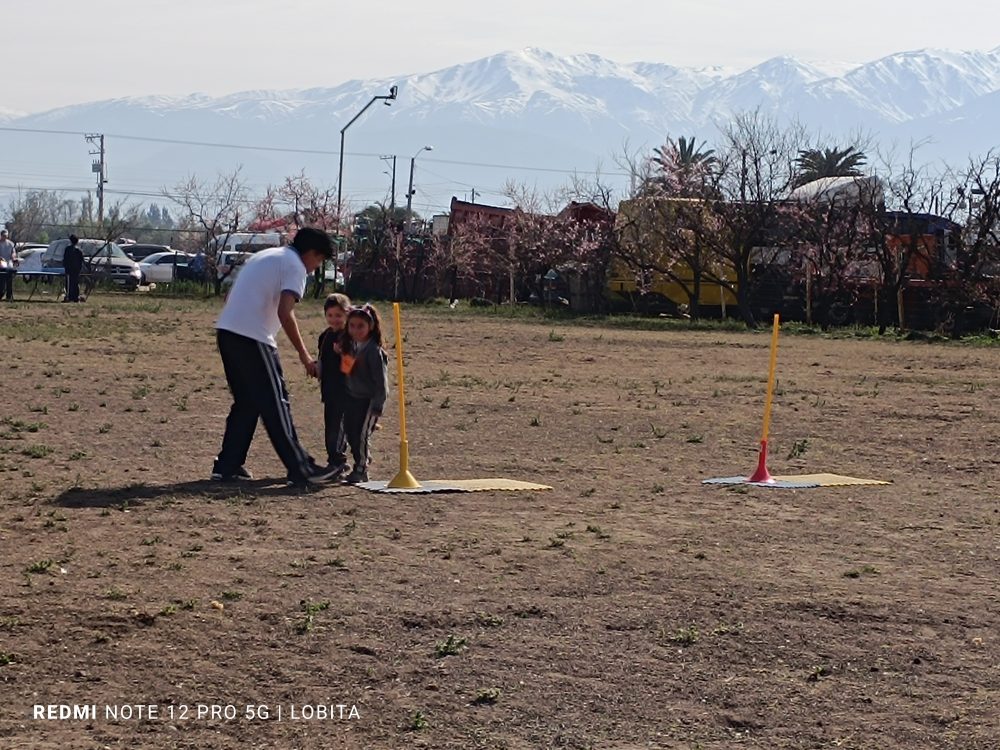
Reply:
x=322, y=475
x=356, y=477
x=338, y=469
x=240, y=475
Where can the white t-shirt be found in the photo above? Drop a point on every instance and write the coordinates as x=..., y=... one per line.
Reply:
x=252, y=307
x=7, y=253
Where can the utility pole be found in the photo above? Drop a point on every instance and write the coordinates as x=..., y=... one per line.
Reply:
x=392, y=199
x=407, y=227
x=473, y=195
x=100, y=168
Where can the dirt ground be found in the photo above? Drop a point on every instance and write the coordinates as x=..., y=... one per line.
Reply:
x=630, y=607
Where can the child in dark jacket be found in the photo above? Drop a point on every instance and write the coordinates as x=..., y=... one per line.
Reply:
x=333, y=382
x=365, y=364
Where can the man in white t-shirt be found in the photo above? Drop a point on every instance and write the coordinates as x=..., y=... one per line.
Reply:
x=262, y=301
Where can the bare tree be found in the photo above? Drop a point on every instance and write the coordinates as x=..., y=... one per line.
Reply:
x=31, y=214
x=896, y=229
x=829, y=250
x=755, y=169
x=970, y=259
x=38, y=215
x=981, y=195
x=297, y=202
x=217, y=208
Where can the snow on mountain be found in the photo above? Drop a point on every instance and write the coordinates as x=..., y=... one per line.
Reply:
x=776, y=81
x=834, y=68
x=527, y=107
x=910, y=85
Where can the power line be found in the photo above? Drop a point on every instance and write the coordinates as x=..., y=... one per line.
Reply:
x=169, y=196
x=451, y=180
x=282, y=149
x=181, y=142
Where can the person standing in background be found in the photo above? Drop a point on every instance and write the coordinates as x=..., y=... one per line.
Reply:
x=8, y=264
x=73, y=264
x=198, y=266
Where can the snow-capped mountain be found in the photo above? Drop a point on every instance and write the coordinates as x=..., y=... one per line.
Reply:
x=545, y=114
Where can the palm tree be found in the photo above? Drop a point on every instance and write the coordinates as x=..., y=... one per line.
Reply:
x=683, y=168
x=684, y=153
x=815, y=164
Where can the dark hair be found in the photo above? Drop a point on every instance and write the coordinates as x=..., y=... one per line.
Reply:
x=310, y=238
x=73, y=239
x=338, y=300
x=368, y=313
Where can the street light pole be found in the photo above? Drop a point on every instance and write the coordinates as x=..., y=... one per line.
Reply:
x=409, y=218
x=392, y=204
x=387, y=98
x=409, y=192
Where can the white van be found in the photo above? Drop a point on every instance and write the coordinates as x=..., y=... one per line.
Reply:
x=244, y=242
x=232, y=251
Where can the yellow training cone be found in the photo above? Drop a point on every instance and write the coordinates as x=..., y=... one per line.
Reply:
x=405, y=482
x=403, y=479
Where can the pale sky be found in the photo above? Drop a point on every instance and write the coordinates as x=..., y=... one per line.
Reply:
x=58, y=52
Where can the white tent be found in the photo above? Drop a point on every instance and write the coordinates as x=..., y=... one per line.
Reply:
x=847, y=189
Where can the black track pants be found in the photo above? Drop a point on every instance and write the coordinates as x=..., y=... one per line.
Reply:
x=258, y=387
x=336, y=436
x=359, y=423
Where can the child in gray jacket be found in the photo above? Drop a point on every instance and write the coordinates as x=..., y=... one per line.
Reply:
x=365, y=364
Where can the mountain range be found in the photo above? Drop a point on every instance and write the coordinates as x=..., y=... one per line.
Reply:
x=529, y=115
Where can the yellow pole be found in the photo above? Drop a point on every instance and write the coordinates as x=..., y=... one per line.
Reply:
x=403, y=479
x=770, y=380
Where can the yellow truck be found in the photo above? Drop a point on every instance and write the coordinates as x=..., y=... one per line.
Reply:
x=649, y=231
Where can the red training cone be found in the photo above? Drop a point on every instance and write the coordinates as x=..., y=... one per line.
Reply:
x=762, y=475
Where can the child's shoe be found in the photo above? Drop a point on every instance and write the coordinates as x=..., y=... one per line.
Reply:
x=357, y=476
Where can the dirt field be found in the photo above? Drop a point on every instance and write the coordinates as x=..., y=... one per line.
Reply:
x=630, y=607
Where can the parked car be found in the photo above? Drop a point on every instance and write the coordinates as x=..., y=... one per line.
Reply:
x=30, y=258
x=102, y=260
x=139, y=251
x=162, y=268
x=22, y=246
